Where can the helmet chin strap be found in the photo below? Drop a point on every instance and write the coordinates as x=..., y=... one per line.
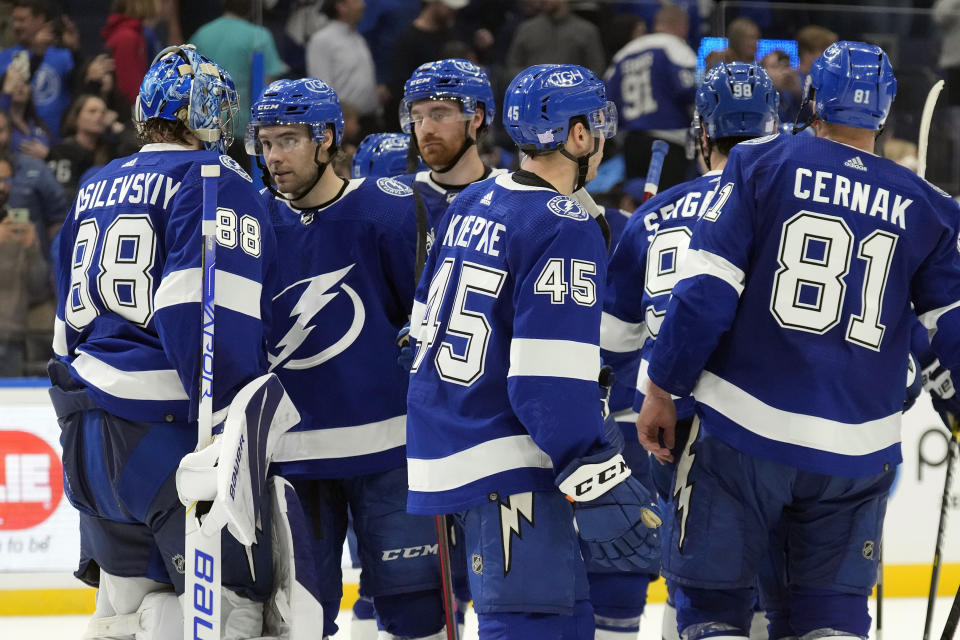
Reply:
x=582, y=162
x=268, y=181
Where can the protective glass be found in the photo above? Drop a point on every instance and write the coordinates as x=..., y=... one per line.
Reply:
x=287, y=143
x=603, y=122
x=437, y=113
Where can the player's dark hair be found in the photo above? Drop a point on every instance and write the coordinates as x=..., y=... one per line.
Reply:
x=161, y=130
x=6, y=156
x=37, y=7
x=240, y=7
x=329, y=8
x=724, y=145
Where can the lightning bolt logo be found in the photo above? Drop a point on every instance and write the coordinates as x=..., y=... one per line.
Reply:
x=517, y=506
x=682, y=487
x=314, y=298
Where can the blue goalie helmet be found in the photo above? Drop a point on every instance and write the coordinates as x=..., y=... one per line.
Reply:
x=381, y=155
x=542, y=99
x=307, y=101
x=852, y=84
x=182, y=85
x=450, y=79
x=737, y=99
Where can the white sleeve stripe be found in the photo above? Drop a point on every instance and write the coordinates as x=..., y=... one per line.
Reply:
x=158, y=385
x=699, y=262
x=753, y=414
x=59, y=337
x=475, y=463
x=930, y=318
x=416, y=318
x=233, y=292
x=619, y=335
x=554, y=358
x=643, y=378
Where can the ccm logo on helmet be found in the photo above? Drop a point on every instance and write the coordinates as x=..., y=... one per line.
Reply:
x=31, y=480
x=566, y=78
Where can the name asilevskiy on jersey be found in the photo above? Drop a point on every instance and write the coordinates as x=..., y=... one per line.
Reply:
x=135, y=188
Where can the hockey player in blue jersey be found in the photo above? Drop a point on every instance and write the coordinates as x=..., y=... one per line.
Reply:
x=346, y=288
x=651, y=80
x=446, y=105
x=735, y=102
x=504, y=405
x=812, y=252
x=127, y=337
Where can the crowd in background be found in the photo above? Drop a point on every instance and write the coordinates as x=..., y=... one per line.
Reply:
x=70, y=71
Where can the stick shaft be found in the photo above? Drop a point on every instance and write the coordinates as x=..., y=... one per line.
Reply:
x=658, y=153
x=925, y=119
x=937, y=560
x=446, y=577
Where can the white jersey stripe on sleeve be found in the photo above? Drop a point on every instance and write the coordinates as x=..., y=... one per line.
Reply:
x=158, y=384
x=751, y=413
x=700, y=262
x=342, y=442
x=475, y=463
x=619, y=335
x=643, y=378
x=233, y=292
x=59, y=337
x=930, y=318
x=554, y=358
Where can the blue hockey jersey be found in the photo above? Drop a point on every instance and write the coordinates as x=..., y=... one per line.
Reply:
x=792, y=325
x=436, y=196
x=346, y=289
x=50, y=83
x=503, y=391
x=651, y=80
x=129, y=284
x=640, y=276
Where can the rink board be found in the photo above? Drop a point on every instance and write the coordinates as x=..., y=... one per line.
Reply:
x=39, y=531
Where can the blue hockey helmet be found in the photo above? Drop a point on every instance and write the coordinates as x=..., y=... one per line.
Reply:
x=542, y=99
x=737, y=99
x=381, y=155
x=306, y=101
x=852, y=84
x=449, y=79
x=182, y=85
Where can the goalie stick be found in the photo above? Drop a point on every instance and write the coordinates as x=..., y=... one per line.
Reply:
x=652, y=184
x=201, y=619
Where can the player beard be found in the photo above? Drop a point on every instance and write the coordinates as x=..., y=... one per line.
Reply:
x=439, y=153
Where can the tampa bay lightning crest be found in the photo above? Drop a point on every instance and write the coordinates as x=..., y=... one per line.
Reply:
x=394, y=187
x=567, y=208
x=312, y=340
x=234, y=166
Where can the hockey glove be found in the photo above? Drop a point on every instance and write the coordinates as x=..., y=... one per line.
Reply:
x=938, y=382
x=405, y=357
x=616, y=516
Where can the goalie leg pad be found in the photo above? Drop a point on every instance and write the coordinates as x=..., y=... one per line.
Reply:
x=294, y=612
x=135, y=608
x=240, y=617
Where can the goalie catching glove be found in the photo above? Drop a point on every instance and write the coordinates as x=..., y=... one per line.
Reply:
x=617, y=517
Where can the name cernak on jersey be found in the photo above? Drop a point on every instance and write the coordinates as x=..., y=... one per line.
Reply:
x=827, y=188
x=136, y=188
x=464, y=229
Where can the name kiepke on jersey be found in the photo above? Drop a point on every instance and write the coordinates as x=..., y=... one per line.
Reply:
x=306, y=299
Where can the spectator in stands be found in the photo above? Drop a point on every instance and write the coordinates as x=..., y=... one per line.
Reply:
x=556, y=36
x=339, y=55
x=29, y=134
x=777, y=65
x=99, y=80
x=24, y=271
x=421, y=41
x=35, y=188
x=50, y=66
x=651, y=80
x=812, y=41
x=84, y=144
x=232, y=40
x=123, y=35
x=742, y=36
